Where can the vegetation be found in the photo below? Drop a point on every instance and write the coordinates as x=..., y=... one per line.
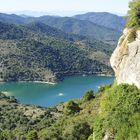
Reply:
x=100, y=26
x=79, y=131
x=120, y=113
x=113, y=113
x=132, y=35
x=133, y=22
x=31, y=135
x=29, y=54
x=49, y=48
x=89, y=95
x=72, y=108
x=134, y=14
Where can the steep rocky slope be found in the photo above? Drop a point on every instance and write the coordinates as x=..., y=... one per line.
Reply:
x=126, y=58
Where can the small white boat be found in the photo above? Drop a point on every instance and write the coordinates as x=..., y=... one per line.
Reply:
x=61, y=94
x=83, y=75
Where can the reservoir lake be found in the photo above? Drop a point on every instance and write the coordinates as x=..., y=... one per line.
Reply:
x=46, y=95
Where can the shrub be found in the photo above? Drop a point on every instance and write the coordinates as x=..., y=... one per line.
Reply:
x=119, y=113
x=78, y=131
x=103, y=88
x=89, y=95
x=71, y=108
x=31, y=135
x=90, y=137
x=6, y=135
x=134, y=14
x=50, y=134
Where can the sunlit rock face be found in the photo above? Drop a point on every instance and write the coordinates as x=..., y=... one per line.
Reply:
x=125, y=60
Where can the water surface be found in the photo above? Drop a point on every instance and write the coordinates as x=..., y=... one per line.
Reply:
x=48, y=95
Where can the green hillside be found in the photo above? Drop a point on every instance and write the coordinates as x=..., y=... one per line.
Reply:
x=113, y=112
x=29, y=54
x=39, y=27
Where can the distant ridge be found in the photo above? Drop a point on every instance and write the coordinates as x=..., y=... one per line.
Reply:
x=93, y=25
x=104, y=19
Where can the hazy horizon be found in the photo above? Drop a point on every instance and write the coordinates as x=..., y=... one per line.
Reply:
x=63, y=7
x=55, y=13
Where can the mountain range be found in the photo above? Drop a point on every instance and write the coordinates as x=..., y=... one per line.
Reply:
x=105, y=19
x=86, y=24
x=48, y=48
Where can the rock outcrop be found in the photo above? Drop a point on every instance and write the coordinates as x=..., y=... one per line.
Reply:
x=126, y=58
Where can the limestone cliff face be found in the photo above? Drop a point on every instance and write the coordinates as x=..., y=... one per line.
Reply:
x=126, y=59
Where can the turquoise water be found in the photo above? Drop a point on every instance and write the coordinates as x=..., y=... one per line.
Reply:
x=48, y=95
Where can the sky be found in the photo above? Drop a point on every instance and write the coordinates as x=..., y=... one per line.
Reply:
x=63, y=7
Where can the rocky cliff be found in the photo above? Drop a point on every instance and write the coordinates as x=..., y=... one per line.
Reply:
x=126, y=58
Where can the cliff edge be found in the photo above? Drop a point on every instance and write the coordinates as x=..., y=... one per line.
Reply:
x=125, y=60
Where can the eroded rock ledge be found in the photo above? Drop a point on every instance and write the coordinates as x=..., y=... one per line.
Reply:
x=125, y=60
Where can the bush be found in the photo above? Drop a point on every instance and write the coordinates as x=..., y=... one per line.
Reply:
x=134, y=14
x=90, y=137
x=32, y=135
x=103, y=88
x=78, y=131
x=6, y=135
x=50, y=134
x=89, y=95
x=71, y=108
x=119, y=113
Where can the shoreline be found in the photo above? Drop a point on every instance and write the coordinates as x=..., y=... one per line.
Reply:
x=94, y=74
x=109, y=75
x=53, y=83
x=50, y=83
x=43, y=82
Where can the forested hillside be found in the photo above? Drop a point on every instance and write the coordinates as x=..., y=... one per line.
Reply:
x=49, y=47
x=38, y=52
